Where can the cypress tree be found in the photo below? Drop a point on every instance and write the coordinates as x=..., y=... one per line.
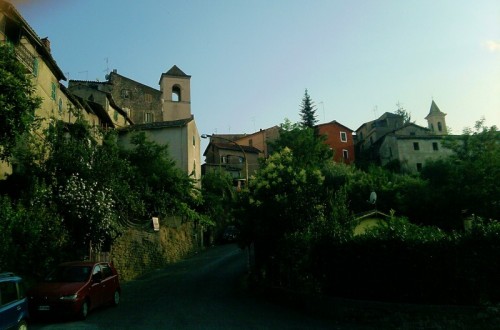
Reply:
x=308, y=111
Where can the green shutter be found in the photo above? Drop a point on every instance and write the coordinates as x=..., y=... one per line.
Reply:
x=53, y=94
x=35, y=66
x=60, y=106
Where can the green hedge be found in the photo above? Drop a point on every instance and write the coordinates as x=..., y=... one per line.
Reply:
x=401, y=262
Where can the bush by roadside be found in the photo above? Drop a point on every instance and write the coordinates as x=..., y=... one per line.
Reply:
x=398, y=262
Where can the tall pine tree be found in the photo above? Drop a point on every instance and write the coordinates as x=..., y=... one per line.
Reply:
x=308, y=111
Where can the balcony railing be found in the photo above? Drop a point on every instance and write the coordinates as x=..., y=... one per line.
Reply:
x=25, y=56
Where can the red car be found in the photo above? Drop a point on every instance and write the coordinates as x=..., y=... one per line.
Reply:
x=75, y=288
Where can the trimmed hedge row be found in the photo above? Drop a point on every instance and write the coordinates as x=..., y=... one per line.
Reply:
x=402, y=264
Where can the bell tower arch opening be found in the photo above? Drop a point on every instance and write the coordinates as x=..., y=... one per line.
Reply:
x=436, y=121
x=176, y=93
x=176, y=88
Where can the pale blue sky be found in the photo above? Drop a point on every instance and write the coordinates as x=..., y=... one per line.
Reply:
x=251, y=60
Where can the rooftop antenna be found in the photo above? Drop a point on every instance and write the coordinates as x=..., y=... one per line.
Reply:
x=375, y=111
x=106, y=59
x=323, y=105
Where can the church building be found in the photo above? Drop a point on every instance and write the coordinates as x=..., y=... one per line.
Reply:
x=164, y=115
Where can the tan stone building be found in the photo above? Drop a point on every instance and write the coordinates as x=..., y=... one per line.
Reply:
x=34, y=53
x=140, y=102
x=238, y=160
x=172, y=124
x=387, y=141
x=58, y=104
x=370, y=132
x=164, y=115
x=411, y=146
x=260, y=140
x=238, y=154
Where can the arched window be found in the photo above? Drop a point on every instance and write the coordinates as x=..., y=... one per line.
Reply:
x=440, y=127
x=176, y=93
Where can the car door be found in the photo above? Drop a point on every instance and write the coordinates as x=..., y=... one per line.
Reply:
x=108, y=282
x=10, y=305
x=96, y=289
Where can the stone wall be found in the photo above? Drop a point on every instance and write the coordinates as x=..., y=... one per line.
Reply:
x=141, y=250
x=136, y=97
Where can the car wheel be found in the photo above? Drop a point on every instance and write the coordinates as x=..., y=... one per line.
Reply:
x=116, y=298
x=84, y=310
x=22, y=325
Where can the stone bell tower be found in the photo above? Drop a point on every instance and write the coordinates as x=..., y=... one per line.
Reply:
x=436, y=121
x=175, y=86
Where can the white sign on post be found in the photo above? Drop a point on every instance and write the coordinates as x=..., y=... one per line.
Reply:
x=156, y=224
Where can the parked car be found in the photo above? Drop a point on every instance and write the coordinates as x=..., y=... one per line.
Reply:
x=75, y=288
x=230, y=234
x=13, y=303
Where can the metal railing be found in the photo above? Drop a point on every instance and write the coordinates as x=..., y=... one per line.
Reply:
x=25, y=56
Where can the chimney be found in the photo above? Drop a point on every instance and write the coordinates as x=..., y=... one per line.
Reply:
x=46, y=43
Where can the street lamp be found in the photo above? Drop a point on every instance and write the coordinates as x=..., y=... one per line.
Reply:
x=204, y=136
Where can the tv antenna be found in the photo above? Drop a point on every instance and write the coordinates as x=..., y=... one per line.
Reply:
x=106, y=59
x=323, y=105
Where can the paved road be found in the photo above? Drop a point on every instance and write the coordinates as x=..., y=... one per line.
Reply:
x=202, y=292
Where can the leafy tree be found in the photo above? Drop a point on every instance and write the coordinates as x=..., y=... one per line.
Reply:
x=401, y=111
x=112, y=170
x=67, y=163
x=308, y=111
x=89, y=212
x=18, y=102
x=407, y=195
x=308, y=149
x=466, y=182
x=32, y=236
x=284, y=198
x=288, y=208
x=218, y=199
x=164, y=188
x=287, y=193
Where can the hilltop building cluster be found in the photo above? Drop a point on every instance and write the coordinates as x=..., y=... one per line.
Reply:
x=165, y=116
x=118, y=103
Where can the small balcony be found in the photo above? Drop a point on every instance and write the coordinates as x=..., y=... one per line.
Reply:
x=24, y=56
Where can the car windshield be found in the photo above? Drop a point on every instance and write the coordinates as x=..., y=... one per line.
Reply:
x=69, y=274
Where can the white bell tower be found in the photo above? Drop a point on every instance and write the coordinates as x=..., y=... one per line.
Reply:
x=436, y=121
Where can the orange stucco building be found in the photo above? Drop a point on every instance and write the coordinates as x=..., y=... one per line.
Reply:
x=340, y=139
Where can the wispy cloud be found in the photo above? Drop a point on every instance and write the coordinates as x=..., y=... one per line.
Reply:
x=492, y=45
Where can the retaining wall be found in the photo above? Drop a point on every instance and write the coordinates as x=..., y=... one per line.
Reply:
x=141, y=250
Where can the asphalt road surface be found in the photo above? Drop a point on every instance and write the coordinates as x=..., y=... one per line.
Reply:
x=203, y=292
